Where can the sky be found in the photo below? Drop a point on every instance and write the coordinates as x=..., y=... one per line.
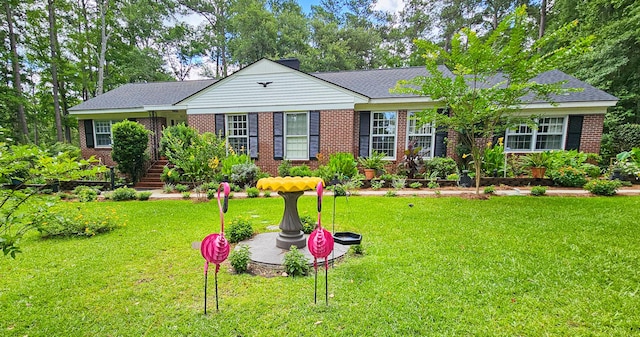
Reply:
x=384, y=5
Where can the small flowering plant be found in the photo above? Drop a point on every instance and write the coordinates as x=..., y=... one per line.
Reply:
x=73, y=219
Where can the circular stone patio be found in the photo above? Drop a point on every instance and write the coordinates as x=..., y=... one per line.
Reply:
x=264, y=251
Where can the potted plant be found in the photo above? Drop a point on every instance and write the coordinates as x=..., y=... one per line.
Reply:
x=537, y=162
x=371, y=164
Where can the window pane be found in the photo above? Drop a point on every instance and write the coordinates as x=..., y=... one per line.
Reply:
x=384, y=144
x=424, y=142
x=103, y=140
x=549, y=142
x=518, y=142
x=383, y=133
x=551, y=125
x=239, y=145
x=297, y=148
x=103, y=127
x=237, y=125
x=296, y=124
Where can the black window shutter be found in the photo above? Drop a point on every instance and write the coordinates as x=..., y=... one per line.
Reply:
x=365, y=132
x=440, y=149
x=253, y=135
x=314, y=134
x=220, y=125
x=574, y=132
x=133, y=120
x=278, y=135
x=88, y=132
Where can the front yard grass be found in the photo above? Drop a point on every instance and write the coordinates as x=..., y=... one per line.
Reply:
x=508, y=266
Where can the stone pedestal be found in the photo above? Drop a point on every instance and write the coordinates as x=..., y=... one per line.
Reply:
x=290, y=227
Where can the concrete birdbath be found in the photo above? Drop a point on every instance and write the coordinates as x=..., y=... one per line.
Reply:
x=290, y=189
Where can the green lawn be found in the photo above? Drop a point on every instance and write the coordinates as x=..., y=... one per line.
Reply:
x=508, y=266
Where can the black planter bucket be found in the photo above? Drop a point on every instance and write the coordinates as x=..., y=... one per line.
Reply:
x=347, y=238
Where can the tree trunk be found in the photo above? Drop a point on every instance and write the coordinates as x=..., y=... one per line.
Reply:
x=54, y=70
x=543, y=18
x=103, y=47
x=17, y=82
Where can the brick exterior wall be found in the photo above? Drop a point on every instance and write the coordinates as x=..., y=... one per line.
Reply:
x=401, y=134
x=202, y=122
x=591, y=133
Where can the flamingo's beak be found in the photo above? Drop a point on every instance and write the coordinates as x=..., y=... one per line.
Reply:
x=319, y=190
x=226, y=190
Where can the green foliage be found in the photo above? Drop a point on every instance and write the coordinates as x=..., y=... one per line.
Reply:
x=399, y=183
x=478, y=106
x=143, y=196
x=377, y=184
x=374, y=161
x=603, y=187
x=592, y=171
x=300, y=171
x=490, y=189
x=238, y=230
x=433, y=185
x=308, y=223
x=391, y=193
x=181, y=188
x=244, y=174
x=415, y=185
x=66, y=220
x=129, y=149
x=253, y=192
x=295, y=263
x=626, y=137
x=85, y=193
x=453, y=176
x=342, y=164
x=412, y=161
x=439, y=167
x=170, y=175
x=284, y=168
x=197, y=156
x=538, y=191
x=240, y=258
x=266, y=194
x=232, y=160
x=186, y=195
x=176, y=138
x=123, y=194
x=168, y=188
x=568, y=176
x=356, y=250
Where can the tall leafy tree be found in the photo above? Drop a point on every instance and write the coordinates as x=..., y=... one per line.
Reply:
x=489, y=79
x=253, y=32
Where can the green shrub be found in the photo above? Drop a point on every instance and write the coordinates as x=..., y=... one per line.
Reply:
x=177, y=135
x=391, y=193
x=342, y=164
x=123, y=194
x=377, y=184
x=490, y=189
x=569, y=176
x=266, y=194
x=239, y=229
x=440, y=167
x=415, y=185
x=453, y=176
x=538, y=191
x=300, y=171
x=295, y=263
x=308, y=224
x=142, y=196
x=244, y=174
x=399, y=183
x=181, y=188
x=433, y=184
x=357, y=250
x=253, y=192
x=212, y=194
x=284, y=168
x=85, y=193
x=603, y=187
x=170, y=175
x=625, y=137
x=186, y=195
x=239, y=258
x=129, y=148
x=168, y=188
x=592, y=171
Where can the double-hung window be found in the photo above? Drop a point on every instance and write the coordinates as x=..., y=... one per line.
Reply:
x=238, y=133
x=102, y=131
x=422, y=136
x=549, y=135
x=383, y=133
x=296, y=136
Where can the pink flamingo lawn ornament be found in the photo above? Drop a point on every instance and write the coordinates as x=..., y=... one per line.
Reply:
x=320, y=245
x=215, y=248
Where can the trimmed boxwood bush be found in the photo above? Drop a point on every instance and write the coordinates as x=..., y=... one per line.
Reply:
x=123, y=194
x=239, y=259
x=538, y=191
x=568, y=176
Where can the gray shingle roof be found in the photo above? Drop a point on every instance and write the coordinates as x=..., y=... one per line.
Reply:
x=137, y=95
x=374, y=83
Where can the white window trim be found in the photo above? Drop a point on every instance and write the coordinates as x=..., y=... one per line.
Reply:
x=395, y=135
x=285, y=136
x=433, y=135
x=226, y=124
x=534, y=136
x=95, y=134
